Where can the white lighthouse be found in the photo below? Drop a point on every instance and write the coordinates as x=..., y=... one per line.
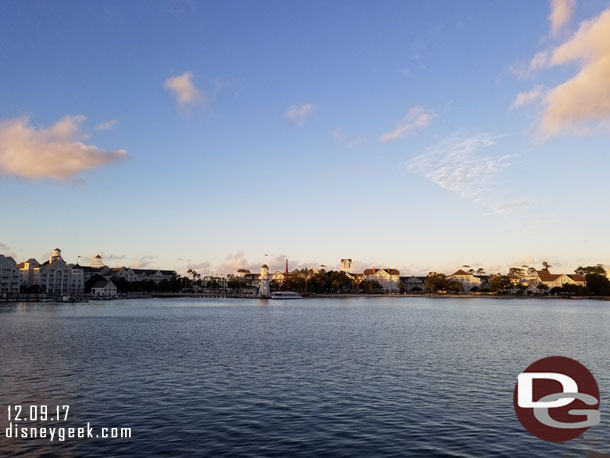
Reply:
x=263, y=288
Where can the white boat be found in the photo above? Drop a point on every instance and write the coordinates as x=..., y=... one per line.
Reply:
x=285, y=295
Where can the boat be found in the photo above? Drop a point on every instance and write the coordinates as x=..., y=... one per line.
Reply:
x=285, y=295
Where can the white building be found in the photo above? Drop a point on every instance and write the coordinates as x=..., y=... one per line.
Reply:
x=10, y=278
x=104, y=288
x=469, y=281
x=26, y=270
x=154, y=274
x=54, y=274
x=558, y=280
x=126, y=273
x=388, y=278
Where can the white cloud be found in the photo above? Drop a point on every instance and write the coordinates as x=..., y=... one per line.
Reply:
x=561, y=13
x=184, y=90
x=525, y=98
x=107, y=125
x=54, y=152
x=457, y=164
x=298, y=114
x=418, y=117
x=585, y=97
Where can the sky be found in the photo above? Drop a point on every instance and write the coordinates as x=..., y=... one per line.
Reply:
x=220, y=135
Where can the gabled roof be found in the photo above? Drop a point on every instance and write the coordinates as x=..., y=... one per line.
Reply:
x=576, y=277
x=91, y=269
x=29, y=261
x=460, y=272
x=388, y=270
x=545, y=275
x=49, y=264
x=102, y=284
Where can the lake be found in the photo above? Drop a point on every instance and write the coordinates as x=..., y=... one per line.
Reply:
x=386, y=376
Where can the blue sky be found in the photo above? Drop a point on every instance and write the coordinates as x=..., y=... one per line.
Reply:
x=417, y=135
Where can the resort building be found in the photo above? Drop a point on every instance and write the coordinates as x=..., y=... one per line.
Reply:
x=241, y=273
x=278, y=276
x=558, y=280
x=413, y=284
x=26, y=270
x=55, y=276
x=154, y=274
x=125, y=273
x=104, y=288
x=10, y=278
x=470, y=281
x=388, y=278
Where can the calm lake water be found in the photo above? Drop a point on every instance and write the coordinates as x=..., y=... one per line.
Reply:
x=316, y=377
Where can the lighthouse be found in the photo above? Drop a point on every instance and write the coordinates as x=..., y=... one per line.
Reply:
x=263, y=288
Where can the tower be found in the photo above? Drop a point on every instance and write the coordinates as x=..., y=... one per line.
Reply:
x=346, y=265
x=263, y=288
x=56, y=256
x=97, y=261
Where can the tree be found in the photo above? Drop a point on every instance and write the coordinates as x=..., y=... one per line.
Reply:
x=500, y=283
x=480, y=271
x=531, y=271
x=454, y=286
x=370, y=286
x=521, y=288
x=515, y=271
x=598, y=285
x=596, y=270
x=542, y=287
x=236, y=283
x=435, y=283
x=546, y=265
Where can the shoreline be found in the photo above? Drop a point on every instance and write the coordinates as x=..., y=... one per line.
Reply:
x=321, y=296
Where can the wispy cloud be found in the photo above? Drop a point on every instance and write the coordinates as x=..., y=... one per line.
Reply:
x=107, y=125
x=418, y=117
x=143, y=262
x=507, y=207
x=561, y=13
x=184, y=90
x=55, y=152
x=202, y=268
x=346, y=139
x=6, y=251
x=459, y=164
x=527, y=97
x=298, y=114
